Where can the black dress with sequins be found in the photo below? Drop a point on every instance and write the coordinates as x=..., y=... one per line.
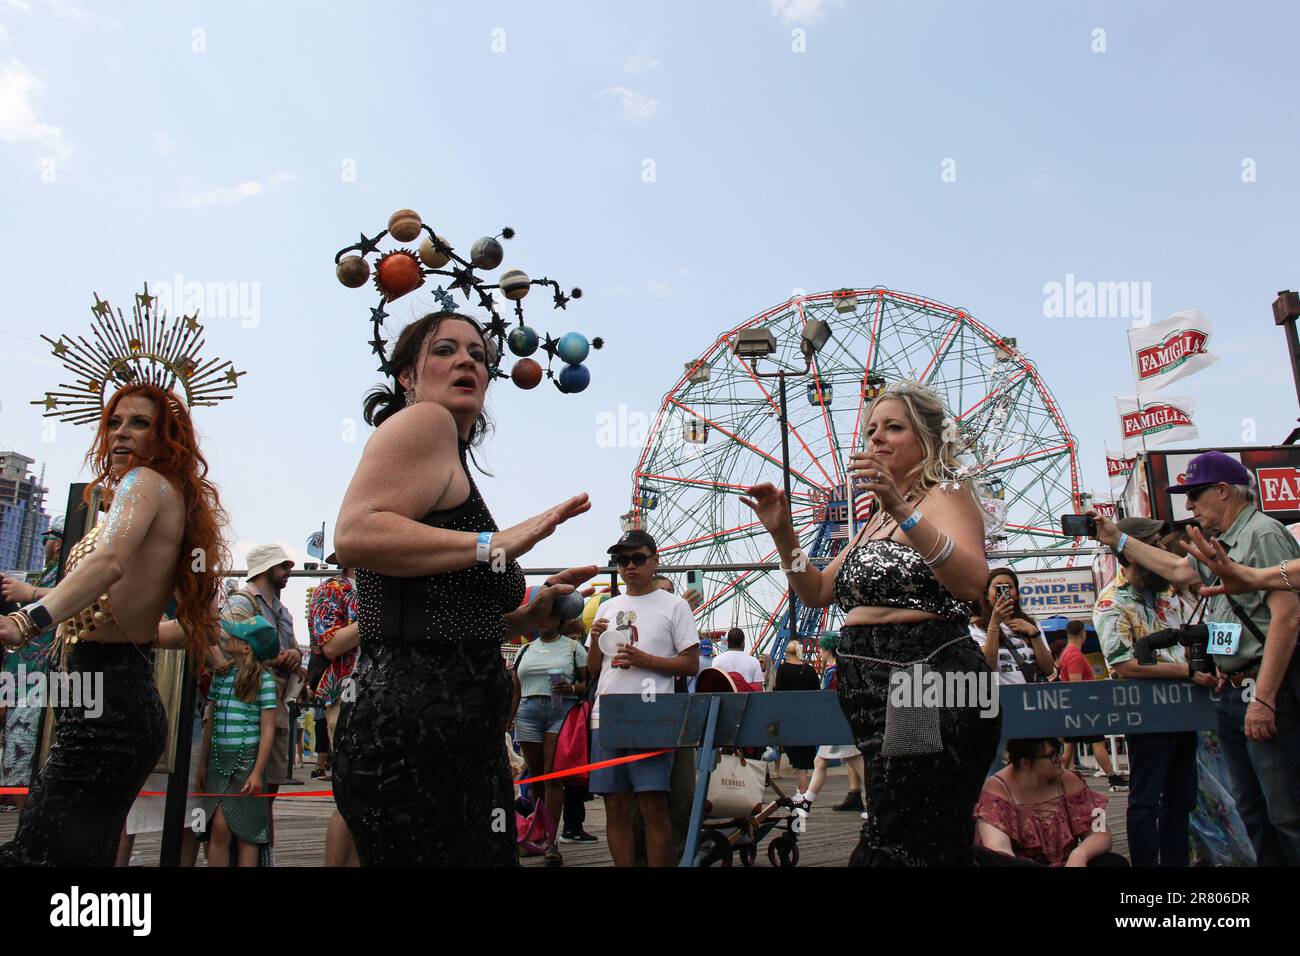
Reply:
x=99, y=760
x=919, y=807
x=420, y=769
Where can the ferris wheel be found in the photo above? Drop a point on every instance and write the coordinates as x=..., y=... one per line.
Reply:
x=719, y=432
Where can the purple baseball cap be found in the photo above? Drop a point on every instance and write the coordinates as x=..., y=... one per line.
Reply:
x=1210, y=468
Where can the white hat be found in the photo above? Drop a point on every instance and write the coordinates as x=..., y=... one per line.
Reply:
x=266, y=556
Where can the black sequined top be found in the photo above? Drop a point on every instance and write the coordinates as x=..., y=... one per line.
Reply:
x=888, y=573
x=462, y=607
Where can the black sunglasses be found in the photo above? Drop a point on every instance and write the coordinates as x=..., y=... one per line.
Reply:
x=1197, y=492
x=636, y=560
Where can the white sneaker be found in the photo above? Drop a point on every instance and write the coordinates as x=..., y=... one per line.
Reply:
x=1099, y=772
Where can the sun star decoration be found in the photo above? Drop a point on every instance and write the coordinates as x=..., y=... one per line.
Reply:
x=148, y=348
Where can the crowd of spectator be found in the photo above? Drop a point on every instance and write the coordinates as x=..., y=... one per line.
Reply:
x=1036, y=809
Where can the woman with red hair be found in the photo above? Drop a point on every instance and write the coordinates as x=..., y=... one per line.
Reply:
x=159, y=541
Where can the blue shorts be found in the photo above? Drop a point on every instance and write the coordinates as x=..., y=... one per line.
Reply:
x=651, y=774
x=537, y=717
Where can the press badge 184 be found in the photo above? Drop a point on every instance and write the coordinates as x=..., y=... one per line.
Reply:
x=1224, y=638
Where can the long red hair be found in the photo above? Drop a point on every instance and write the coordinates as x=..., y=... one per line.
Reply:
x=174, y=454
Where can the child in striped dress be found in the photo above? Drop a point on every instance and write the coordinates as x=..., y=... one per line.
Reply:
x=238, y=735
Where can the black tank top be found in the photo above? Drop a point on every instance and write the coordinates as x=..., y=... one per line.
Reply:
x=454, y=608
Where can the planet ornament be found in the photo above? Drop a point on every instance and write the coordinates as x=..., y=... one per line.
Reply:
x=522, y=340
x=414, y=253
x=404, y=225
x=486, y=253
x=514, y=284
x=526, y=373
x=398, y=273
x=568, y=606
x=574, y=378
x=353, y=271
x=430, y=256
x=573, y=348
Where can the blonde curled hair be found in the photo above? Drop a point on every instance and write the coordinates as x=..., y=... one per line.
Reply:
x=936, y=430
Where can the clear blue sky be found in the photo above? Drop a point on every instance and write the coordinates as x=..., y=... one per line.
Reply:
x=774, y=170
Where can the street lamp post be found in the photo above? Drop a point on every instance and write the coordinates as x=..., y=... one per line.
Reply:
x=754, y=344
x=785, y=447
x=1286, y=310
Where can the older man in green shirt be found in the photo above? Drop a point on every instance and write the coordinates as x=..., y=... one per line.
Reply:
x=1252, y=640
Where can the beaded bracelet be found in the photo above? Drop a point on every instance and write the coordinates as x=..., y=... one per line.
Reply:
x=1285, y=580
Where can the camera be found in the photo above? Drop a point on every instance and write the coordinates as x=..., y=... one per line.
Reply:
x=1194, y=637
x=1079, y=526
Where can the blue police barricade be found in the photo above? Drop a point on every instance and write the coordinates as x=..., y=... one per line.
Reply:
x=811, y=718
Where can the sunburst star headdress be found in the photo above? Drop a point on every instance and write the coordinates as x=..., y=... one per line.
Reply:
x=400, y=271
x=147, y=348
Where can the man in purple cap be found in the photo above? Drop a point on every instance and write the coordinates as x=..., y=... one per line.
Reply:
x=1252, y=640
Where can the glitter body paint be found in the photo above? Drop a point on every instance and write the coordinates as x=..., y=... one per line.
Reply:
x=97, y=765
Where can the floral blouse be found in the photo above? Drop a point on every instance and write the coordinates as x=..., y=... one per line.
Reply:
x=333, y=607
x=1043, y=832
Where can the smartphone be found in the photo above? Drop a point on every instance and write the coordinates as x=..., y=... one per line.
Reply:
x=691, y=578
x=1078, y=526
x=1002, y=590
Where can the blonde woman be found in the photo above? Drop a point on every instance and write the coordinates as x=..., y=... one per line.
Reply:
x=905, y=584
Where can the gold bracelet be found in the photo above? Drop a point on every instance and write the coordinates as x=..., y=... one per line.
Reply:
x=23, y=621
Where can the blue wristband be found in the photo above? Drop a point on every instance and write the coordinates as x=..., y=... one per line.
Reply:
x=483, y=551
x=1119, y=545
x=911, y=521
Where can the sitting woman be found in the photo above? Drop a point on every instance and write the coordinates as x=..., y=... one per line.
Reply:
x=1033, y=812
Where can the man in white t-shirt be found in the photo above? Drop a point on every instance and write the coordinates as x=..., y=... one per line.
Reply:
x=640, y=640
x=735, y=659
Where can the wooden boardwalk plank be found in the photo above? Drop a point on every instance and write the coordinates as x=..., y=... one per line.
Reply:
x=828, y=840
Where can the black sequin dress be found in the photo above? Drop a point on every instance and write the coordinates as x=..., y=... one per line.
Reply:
x=98, y=762
x=420, y=768
x=919, y=807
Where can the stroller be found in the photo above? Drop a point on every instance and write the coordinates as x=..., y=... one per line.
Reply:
x=722, y=838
